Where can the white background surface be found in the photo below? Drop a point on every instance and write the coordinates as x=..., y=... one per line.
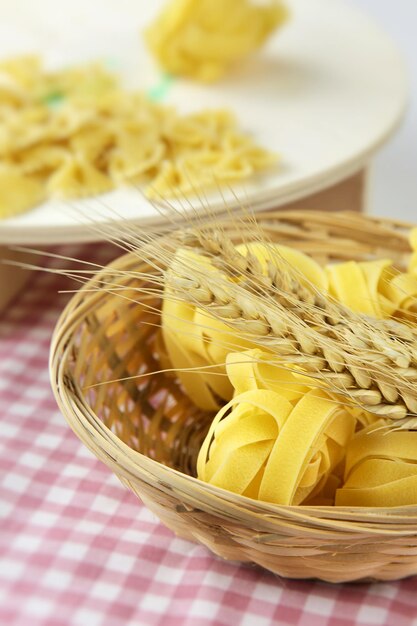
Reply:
x=394, y=176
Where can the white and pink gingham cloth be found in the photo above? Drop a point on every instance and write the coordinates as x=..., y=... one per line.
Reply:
x=78, y=549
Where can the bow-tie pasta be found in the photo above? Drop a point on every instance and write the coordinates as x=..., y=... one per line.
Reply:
x=75, y=133
x=16, y=190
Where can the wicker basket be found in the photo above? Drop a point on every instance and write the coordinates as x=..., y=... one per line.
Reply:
x=149, y=433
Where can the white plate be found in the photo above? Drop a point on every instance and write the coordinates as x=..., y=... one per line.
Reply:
x=325, y=93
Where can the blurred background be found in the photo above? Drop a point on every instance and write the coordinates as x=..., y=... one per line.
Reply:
x=394, y=176
x=393, y=187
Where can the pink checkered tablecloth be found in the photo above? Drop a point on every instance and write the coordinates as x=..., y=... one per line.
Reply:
x=78, y=549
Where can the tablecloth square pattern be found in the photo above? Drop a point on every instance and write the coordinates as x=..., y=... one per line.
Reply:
x=78, y=549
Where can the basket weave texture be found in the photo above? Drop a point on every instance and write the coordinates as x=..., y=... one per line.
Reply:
x=149, y=433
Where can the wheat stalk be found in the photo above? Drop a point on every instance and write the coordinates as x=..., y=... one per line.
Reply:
x=373, y=362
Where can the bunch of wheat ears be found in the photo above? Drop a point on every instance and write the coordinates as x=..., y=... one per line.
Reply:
x=367, y=362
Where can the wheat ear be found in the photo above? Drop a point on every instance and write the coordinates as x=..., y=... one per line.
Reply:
x=373, y=362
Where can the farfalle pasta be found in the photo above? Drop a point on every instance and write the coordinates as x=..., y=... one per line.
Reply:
x=76, y=133
x=78, y=177
x=201, y=39
x=16, y=190
x=18, y=76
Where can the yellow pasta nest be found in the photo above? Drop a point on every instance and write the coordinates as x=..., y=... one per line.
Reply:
x=375, y=288
x=278, y=435
x=381, y=469
x=202, y=38
x=195, y=340
x=76, y=133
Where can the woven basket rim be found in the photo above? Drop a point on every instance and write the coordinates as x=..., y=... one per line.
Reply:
x=131, y=463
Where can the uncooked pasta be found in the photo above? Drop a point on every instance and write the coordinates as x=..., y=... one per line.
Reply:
x=202, y=39
x=77, y=132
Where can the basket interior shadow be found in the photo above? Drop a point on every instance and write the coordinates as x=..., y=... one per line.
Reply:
x=119, y=362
